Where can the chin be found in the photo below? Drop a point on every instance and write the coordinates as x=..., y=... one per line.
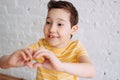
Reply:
x=52, y=44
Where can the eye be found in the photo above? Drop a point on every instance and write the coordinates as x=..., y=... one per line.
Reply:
x=60, y=24
x=47, y=22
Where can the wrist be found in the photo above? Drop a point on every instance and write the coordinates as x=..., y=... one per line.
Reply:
x=4, y=62
x=62, y=67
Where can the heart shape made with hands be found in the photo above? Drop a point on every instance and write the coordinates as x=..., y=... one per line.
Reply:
x=31, y=63
x=42, y=57
x=33, y=60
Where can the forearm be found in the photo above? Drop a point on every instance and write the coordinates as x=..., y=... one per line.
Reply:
x=84, y=70
x=4, y=62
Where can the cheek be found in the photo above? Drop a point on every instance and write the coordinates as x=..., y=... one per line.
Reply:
x=65, y=32
x=45, y=29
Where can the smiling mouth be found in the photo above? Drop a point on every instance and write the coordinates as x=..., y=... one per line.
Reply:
x=51, y=36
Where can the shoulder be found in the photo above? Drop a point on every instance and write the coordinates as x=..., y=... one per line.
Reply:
x=75, y=44
x=79, y=48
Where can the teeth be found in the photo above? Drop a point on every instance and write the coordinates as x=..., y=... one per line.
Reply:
x=51, y=36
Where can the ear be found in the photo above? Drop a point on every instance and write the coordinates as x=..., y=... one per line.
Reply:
x=74, y=29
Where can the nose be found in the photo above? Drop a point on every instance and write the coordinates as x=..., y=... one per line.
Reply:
x=52, y=28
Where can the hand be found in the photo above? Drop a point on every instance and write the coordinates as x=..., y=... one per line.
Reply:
x=20, y=58
x=50, y=62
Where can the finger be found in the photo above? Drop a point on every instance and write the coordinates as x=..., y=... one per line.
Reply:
x=40, y=54
x=28, y=53
x=32, y=51
x=41, y=48
x=29, y=65
x=35, y=65
x=23, y=55
x=38, y=51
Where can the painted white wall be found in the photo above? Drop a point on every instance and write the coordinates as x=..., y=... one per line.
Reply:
x=21, y=23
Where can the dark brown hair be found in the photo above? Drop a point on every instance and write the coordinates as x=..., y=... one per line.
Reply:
x=67, y=6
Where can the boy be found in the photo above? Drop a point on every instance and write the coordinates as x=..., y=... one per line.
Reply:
x=57, y=56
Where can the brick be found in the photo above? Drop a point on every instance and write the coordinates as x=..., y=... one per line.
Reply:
x=16, y=11
x=2, y=19
x=8, y=3
x=29, y=3
x=2, y=10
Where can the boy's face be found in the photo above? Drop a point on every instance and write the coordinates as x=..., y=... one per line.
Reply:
x=57, y=29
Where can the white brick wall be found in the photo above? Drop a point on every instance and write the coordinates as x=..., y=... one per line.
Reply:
x=21, y=23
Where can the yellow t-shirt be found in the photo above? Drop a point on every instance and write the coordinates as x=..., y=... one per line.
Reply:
x=68, y=54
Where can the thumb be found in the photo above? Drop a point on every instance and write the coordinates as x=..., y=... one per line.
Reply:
x=28, y=64
x=35, y=65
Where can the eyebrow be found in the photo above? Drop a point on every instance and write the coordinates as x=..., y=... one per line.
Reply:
x=47, y=17
x=57, y=18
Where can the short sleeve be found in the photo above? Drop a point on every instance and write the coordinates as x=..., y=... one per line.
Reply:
x=81, y=50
